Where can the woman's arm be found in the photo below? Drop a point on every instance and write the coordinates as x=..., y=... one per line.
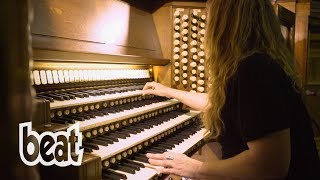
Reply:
x=197, y=101
x=266, y=158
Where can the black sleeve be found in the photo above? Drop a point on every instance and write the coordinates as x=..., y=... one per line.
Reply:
x=263, y=102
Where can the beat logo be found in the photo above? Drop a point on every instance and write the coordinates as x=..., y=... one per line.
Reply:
x=50, y=148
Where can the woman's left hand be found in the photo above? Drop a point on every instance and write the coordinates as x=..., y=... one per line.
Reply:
x=177, y=164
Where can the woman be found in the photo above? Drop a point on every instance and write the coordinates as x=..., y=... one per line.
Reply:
x=253, y=107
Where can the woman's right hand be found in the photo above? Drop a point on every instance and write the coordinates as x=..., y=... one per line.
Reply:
x=156, y=89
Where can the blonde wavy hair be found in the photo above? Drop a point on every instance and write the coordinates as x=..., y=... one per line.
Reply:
x=237, y=29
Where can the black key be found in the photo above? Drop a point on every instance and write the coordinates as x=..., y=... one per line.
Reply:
x=93, y=146
x=71, y=96
x=64, y=96
x=122, y=133
x=135, y=167
x=84, y=116
x=154, y=151
x=59, y=121
x=71, y=121
x=111, y=171
x=141, y=159
x=89, y=114
x=120, y=136
x=105, y=139
x=78, y=95
x=129, y=131
x=114, y=139
x=55, y=97
x=46, y=97
x=97, y=113
x=87, y=149
x=99, y=142
x=110, y=177
x=158, y=148
x=78, y=118
x=124, y=169
x=134, y=163
x=165, y=146
x=136, y=129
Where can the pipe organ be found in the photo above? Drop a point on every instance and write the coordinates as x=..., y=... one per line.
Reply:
x=102, y=90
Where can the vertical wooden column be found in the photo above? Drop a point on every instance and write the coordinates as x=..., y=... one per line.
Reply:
x=163, y=23
x=301, y=37
x=16, y=99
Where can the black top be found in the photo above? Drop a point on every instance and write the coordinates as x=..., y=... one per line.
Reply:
x=261, y=100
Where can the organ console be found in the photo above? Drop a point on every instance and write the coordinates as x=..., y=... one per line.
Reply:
x=118, y=124
x=102, y=91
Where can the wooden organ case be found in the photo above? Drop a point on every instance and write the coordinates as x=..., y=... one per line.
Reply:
x=91, y=60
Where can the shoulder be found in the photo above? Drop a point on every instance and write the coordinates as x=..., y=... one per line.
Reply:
x=260, y=67
x=258, y=61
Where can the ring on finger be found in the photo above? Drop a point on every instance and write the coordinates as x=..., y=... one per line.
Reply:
x=169, y=157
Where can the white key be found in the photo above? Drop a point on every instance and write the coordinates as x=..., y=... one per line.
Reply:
x=36, y=77
x=43, y=77
x=49, y=77
x=55, y=76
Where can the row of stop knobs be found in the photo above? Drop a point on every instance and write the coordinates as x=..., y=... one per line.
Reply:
x=188, y=49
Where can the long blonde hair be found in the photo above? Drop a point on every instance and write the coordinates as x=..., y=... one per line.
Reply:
x=237, y=29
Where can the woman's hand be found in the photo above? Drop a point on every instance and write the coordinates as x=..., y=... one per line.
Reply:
x=177, y=164
x=156, y=89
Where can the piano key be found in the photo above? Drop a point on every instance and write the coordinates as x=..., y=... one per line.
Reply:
x=106, y=140
x=69, y=120
x=114, y=172
x=78, y=118
x=140, y=158
x=83, y=115
x=107, y=151
x=55, y=97
x=134, y=166
x=60, y=94
x=78, y=95
x=111, y=138
x=93, y=98
x=152, y=150
x=124, y=169
x=134, y=163
x=112, y=177
x=91, y=145
x=59, y=121
x=149, y=171
x=87, y=149
x=118, y=136
x=91, y=115
x=129, y=131
x=45, y=97
x=126, y=134
x=98, y=142
x=100, y=121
